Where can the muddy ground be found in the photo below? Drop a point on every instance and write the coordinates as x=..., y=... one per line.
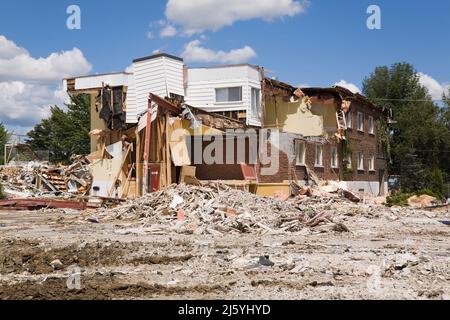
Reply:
x=403, y=256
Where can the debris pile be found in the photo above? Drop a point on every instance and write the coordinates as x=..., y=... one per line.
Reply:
x=216, y=209
x=39, y=179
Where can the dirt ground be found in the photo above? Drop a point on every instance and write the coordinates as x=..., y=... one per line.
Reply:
x=404, y=256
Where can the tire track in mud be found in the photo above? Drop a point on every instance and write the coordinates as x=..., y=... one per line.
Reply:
x=99, y=288
x=20, y=255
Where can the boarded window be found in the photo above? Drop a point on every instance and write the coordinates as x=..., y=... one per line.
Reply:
x=229, y=94
x=300, y=152
x=334, y=157
x=319, y=156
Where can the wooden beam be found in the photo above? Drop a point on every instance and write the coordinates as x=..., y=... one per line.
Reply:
x=138, y=164
x=147, y=146
x=168, y=158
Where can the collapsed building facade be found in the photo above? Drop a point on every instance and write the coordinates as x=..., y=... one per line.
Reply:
x=151, y=128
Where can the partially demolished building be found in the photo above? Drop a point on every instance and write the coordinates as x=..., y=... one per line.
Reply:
x=150, y=126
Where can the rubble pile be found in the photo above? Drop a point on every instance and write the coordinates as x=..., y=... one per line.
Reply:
x=217, y=209
x=213, y=208
x=39, y=179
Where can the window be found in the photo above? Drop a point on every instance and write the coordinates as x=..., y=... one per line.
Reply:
x=256, y=101
x=348, y=119
x=334, y=157
x=360, y=121
x=349, y=161
x=300, y=152
x=372, y=163
x=229, y=94
x=371, y=127
x=360, y=161
x=319, y=156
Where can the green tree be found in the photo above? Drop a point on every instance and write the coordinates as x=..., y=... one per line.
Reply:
x=420, y=133
x=4, y=136
x=64, y=133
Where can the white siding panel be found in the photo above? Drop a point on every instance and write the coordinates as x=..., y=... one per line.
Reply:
x=96, y=81
x=159, y=76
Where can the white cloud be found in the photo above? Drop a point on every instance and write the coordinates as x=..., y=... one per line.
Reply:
x=435, y=89
x=168, y=31
x=350, y=86
x=150, y=35
x=23, y=104
x=194, y=52
x=29, y=86
x=197, y=16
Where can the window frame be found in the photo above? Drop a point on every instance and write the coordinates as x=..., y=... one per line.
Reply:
x=361, y=161
x=360, y=121
x=317, y=147
x=349, y=161
x=228, y=95
x=297, y=154
x=336, y=157
x=257, y=101
x=372, y=163
x=371, y=125
x=349, y=120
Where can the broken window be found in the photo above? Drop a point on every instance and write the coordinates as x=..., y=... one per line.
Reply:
x=348, y=119
x=319, y=156
x=360, y=161
x=334, y=157
x=371, y=126
x=229, y=94
x=256, y=101
x=372, y=163
x=300, y=152
x=360, y=121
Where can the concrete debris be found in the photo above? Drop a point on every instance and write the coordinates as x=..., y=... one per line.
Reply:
x=56, y=264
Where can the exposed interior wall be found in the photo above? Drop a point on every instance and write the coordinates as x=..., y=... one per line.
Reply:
x=292, y=116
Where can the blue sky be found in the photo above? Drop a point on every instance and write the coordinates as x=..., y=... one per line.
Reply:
x=319, y=43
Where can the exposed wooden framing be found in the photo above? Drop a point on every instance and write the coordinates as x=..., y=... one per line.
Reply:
x=126, y=186
x=138, y=164
x=168, y=159
x=147, y=145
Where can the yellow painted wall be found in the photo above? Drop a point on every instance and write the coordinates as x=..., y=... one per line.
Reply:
x=298, y=117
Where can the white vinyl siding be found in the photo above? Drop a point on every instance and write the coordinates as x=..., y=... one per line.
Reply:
x=203, y=82
x=160, y=76
x=319, y=156
x=300, y=153
x=334, y=158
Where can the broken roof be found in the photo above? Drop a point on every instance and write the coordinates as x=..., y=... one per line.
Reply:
x=337, y=91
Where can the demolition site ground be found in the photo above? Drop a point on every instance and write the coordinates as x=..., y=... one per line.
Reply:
x=368, y=253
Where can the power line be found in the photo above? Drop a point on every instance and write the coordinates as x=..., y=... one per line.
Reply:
x=412, y=100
